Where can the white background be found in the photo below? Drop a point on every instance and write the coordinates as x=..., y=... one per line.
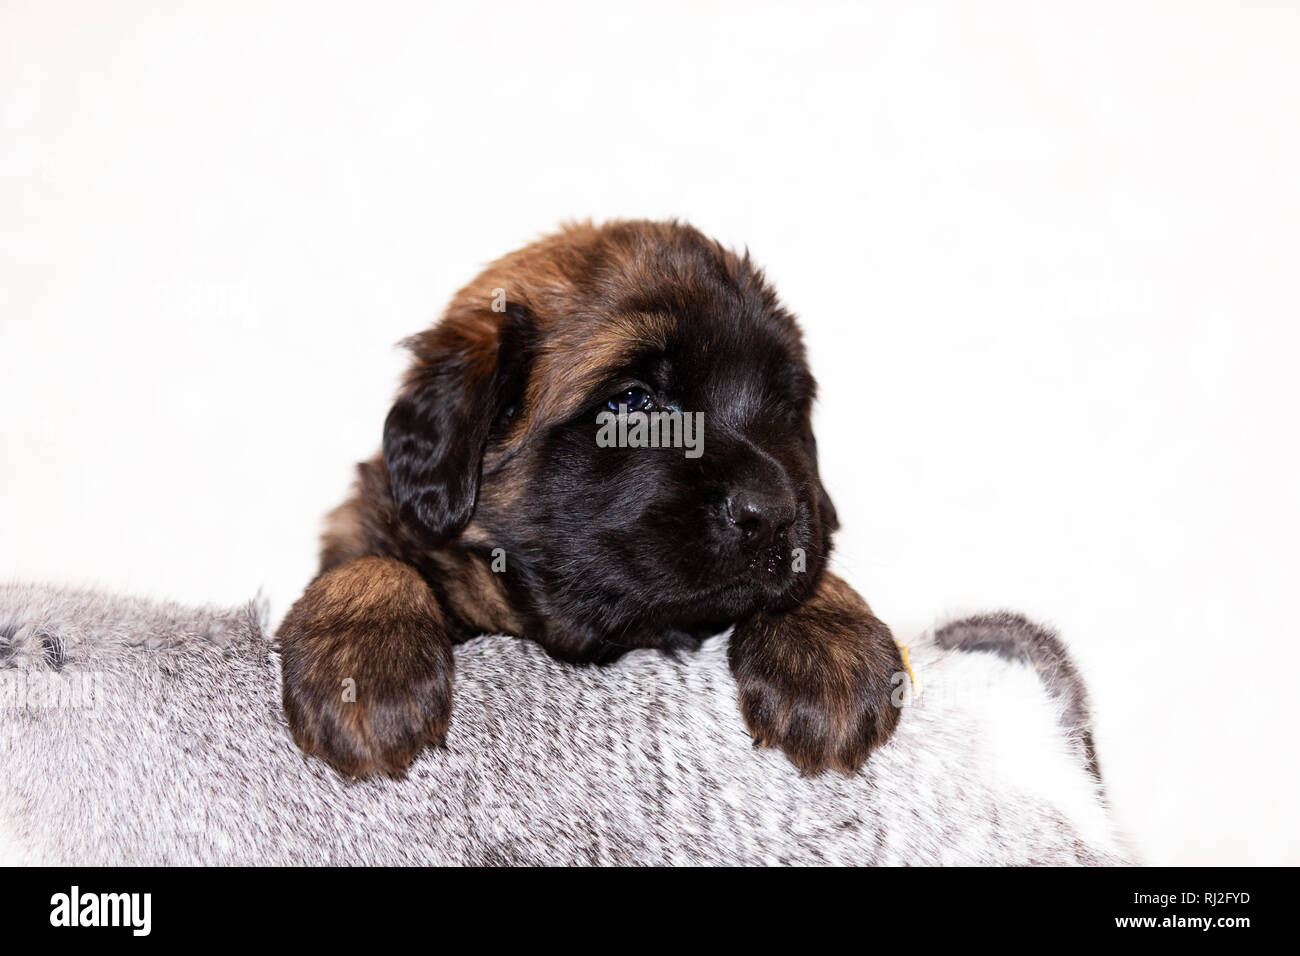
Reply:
x=1045, y=255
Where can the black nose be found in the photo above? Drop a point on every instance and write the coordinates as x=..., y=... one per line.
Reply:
x=761, y=515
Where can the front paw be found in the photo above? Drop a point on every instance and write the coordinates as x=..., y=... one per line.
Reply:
x=367, y=668
x=816, y=681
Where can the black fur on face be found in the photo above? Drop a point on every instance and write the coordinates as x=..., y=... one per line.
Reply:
x=633, y=546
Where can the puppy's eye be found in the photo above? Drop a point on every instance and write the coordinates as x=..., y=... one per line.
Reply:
x=636, y=400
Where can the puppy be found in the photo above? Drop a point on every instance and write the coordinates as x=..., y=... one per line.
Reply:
x=495, y=508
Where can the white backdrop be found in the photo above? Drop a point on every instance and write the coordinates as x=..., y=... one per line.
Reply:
x=1045, y=255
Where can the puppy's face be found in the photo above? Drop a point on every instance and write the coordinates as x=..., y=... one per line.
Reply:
x=496, y=440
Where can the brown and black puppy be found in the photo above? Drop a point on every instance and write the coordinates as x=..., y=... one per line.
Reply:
x=493, y=508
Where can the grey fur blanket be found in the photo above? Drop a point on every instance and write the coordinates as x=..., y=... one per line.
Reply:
x=144, y=733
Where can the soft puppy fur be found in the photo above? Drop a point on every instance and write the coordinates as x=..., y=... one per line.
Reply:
x=492, y=508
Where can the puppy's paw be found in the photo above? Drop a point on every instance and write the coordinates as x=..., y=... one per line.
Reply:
x=816, y=681
x=367, y=668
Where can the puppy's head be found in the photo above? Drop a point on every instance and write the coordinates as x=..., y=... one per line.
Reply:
x=495, y=440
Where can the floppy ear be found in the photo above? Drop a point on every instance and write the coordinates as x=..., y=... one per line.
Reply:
x=830, y=518
x=825, y=507
x=437, y=430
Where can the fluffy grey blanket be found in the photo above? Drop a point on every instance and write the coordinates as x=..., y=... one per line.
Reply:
x=147, y=733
